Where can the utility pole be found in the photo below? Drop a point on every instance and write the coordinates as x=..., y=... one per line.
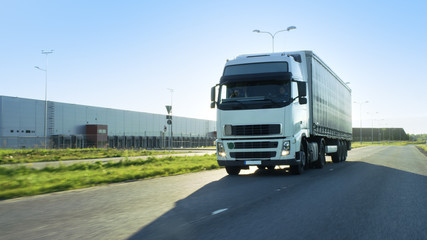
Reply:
x=361, y=119
x=169, y=120
x=372, y=128
x=45, y=95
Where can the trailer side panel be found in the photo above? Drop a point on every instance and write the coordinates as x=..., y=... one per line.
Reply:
x=330, y=105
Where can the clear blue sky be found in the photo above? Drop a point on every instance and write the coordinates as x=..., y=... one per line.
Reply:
x=126, y=54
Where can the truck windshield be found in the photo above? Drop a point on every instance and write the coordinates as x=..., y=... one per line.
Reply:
x=254, y=94
x=252, y=68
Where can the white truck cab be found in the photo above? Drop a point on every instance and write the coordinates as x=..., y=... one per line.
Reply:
x=264, y=114
x=261, y=113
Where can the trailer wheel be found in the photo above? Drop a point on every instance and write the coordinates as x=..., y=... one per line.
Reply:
x=232, y=170
x=344, y=151
x=336, y=157
x=299, y=168
x=321, y=159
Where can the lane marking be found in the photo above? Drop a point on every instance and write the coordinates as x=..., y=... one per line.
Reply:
x=219, y=211
x=280, y=189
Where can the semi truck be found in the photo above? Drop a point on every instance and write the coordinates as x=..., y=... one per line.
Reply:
x=278, y=109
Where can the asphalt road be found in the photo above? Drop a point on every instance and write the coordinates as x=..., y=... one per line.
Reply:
x=379, y=193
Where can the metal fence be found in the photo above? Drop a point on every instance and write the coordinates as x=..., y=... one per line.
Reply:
x=379, y=134
x=121, y=142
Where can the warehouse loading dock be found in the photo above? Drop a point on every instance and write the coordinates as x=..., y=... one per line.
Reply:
x=97, y=135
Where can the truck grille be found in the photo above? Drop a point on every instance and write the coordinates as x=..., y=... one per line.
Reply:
x=252, y=154
x=254, y=130
x=249, y=145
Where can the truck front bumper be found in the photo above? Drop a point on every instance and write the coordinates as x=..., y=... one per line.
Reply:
x=244, y=163
x=257, y=152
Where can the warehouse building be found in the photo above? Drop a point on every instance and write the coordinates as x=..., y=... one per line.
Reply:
x=29, y=123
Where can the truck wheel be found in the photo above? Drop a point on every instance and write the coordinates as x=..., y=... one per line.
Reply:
x=232, y=170
x=299, y=168
x=336, y=157
x=344, y=151
x=339, y=151
x=321, y=159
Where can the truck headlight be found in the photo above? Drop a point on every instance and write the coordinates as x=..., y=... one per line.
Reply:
x=220, y=149
x=286, y=148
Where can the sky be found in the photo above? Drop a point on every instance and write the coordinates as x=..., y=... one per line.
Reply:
x=129, y=54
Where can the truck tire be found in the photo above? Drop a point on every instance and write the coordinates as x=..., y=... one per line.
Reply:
x=299, y=168
x=321, y=159
x=232, y=170
x=336, y=157
x=344, y=151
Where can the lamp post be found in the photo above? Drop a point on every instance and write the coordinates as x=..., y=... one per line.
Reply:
x=361, y=103
x=274, y=35
x=381, y=130
x=169, y=109
x=45, y=94
x=372, y=129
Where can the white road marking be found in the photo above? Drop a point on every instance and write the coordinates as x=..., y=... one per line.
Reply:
x=219, y=211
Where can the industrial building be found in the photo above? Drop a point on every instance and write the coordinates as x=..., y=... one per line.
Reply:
x=29, y=123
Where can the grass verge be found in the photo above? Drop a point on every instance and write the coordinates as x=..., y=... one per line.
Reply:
x=365, y=144
x=423, y=149
x=22, y=181
x=8, y=156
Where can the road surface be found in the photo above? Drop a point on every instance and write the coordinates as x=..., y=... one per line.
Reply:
x=379, y=193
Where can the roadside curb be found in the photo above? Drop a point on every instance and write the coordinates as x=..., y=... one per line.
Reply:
x=422, y=151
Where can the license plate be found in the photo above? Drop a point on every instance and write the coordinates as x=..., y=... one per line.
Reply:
x=252, y=162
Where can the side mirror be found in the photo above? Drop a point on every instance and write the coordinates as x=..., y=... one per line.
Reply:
x=302, y=89
x=302, y=101
x=213, y=97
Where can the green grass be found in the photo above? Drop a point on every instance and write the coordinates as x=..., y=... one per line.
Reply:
x=424, y=147
x=365, y=144
x=22, y=181
x=42, y=155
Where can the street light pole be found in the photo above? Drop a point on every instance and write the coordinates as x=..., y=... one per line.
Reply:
x=361, y=119
x=171, y=134
x=372, y=129
x=274, y=35
x=45, y=95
